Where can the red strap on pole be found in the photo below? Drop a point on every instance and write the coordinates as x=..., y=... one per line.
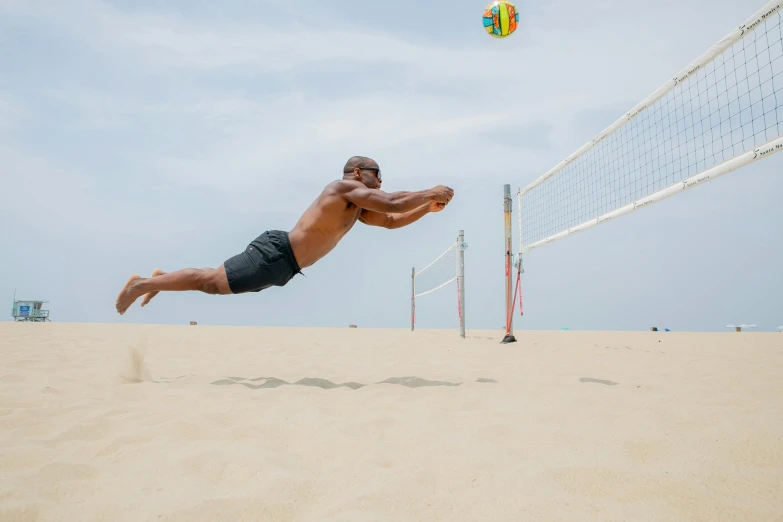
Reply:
x=517, y=287
x=509, y=313
x=519, y=283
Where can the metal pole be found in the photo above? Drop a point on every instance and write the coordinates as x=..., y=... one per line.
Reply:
x=413, y=298
x=461, y=281
x=509, y=338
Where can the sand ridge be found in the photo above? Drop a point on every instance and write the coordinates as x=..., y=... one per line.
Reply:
x=141, y=422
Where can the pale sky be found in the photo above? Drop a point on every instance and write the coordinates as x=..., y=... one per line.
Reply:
x=144, y=134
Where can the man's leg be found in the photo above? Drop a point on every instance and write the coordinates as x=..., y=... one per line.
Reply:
x=207, y=280
x=148, y=297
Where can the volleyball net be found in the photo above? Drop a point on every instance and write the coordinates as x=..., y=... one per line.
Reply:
x=447, y=268
x=721, y=112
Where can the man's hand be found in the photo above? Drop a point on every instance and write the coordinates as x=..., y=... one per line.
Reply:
x=436, y=206
x=442, y=194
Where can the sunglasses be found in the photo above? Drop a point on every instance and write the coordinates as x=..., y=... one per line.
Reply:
x=373, y=169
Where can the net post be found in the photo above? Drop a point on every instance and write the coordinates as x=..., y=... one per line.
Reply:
x=461, y=281
x=507, y=204
x=413, y=296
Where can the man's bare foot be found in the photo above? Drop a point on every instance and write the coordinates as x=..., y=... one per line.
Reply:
x=150, y=295
x=129, y=293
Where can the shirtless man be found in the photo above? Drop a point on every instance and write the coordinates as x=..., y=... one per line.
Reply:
x=273, y=258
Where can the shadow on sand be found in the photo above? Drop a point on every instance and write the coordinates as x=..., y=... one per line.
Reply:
x=598, y=381
x=272, y=382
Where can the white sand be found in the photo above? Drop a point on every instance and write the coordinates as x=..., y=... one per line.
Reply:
x=123, y=423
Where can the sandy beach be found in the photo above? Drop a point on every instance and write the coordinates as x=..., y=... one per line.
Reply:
x=201, y=423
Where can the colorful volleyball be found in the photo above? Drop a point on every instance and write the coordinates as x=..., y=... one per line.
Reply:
x=501, y=18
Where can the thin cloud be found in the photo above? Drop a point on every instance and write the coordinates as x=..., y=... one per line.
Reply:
x=70, y=202
x=11, y=113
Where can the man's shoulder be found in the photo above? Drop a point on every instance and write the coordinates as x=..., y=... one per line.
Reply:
x=342, y=186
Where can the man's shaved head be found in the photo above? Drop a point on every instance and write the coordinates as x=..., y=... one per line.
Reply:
x=363, y=169
x=358, y=161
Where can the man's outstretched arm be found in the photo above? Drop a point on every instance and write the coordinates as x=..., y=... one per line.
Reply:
x=395, y=202
x=398, y=220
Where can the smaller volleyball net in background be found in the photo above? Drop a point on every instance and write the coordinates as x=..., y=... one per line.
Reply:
x=447, y=269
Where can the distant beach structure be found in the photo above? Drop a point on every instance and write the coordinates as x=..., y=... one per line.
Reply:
x=740, y=327
x=29, y=311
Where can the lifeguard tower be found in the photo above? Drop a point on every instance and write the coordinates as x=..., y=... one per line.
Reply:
x=31, y=311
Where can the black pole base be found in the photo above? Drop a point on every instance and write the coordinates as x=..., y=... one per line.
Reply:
x=508, y=339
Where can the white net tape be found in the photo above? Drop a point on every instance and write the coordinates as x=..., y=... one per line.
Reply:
x=720, y=113
x=437, y=274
